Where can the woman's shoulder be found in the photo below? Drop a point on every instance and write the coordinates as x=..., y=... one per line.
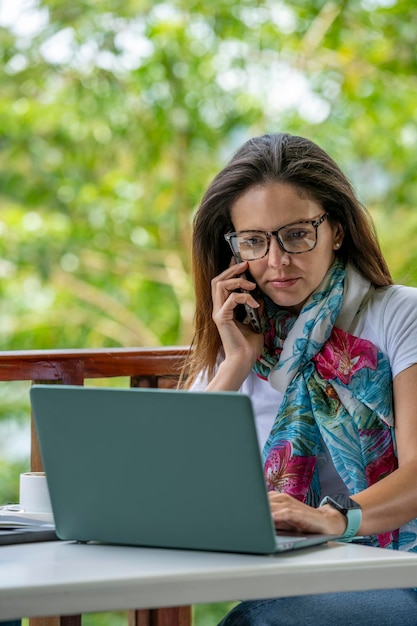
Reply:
x=389, y=308
x=385, y=300
x=389, y=320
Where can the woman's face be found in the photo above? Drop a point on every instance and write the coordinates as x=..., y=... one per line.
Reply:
x=288, y=279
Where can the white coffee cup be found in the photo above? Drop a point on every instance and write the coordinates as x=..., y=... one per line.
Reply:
x=34, y=493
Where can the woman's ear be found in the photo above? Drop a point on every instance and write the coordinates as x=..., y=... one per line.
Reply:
x=339, y=234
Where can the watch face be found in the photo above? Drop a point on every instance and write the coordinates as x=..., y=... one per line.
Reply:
x=343, y=503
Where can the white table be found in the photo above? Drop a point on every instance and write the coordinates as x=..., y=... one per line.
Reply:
x=64, y=578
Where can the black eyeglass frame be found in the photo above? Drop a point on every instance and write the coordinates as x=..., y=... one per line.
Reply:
x=316, y=223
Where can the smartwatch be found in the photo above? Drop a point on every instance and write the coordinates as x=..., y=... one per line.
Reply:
x=352, y=511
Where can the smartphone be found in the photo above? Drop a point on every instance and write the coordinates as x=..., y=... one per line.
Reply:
x=251, y=314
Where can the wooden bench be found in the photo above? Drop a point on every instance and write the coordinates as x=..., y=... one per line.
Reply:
x=144, y=367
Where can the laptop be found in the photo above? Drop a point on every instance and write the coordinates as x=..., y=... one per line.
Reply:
x=157, y=467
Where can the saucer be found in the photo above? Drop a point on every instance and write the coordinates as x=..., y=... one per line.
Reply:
x=16, y=509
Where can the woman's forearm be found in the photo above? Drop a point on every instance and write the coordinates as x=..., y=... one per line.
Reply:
x=229, y=377
x=391, y=502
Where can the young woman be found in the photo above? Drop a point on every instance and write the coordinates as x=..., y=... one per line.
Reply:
x=333, y=371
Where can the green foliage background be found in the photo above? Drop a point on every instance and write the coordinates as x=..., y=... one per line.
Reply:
x=114, y=116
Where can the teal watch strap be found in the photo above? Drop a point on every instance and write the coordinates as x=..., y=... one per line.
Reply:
x=354, y=519
x=353, y=513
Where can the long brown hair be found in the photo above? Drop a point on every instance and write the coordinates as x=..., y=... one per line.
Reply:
x=272, y=158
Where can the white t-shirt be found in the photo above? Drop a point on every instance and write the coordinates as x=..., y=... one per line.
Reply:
x=389, y=320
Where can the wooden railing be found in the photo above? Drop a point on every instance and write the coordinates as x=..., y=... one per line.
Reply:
x=145, y=367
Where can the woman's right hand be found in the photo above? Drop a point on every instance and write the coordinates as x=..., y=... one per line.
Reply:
x=241, y=344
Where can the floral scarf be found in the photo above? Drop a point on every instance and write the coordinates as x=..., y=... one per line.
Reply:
x=337, y=390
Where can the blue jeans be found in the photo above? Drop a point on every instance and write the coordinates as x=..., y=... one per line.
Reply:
x=384, y=607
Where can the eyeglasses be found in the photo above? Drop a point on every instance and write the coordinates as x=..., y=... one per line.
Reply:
x=249, y=245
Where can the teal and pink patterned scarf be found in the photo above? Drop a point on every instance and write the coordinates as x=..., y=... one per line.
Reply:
x=337, y=389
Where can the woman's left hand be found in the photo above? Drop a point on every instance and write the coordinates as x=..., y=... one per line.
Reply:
x=289, y=513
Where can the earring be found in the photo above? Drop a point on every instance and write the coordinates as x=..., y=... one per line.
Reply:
x=337, y=245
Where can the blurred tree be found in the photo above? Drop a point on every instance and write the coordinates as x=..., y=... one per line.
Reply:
x=113, y=121
x=114, y=116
